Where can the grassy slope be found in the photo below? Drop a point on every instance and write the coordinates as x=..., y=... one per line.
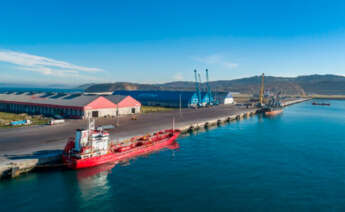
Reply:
x=6, y=118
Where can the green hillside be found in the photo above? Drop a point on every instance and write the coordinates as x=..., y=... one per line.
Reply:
x=301, y=85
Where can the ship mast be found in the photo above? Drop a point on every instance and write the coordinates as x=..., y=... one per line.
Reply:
x=91, y=124
x=90, y=128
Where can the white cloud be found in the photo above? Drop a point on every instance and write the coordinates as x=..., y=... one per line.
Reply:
x=51, y=71
x=43, y=65
x=216, y=59
x=178, y=76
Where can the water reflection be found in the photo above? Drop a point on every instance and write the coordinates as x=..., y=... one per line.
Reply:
x=173, y=146
x=93, y=181
x=93, y=172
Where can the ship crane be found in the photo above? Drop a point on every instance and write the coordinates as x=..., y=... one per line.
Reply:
x=277, y=102
x=261, y=95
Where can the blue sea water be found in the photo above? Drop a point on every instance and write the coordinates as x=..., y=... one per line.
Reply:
x=291, y=162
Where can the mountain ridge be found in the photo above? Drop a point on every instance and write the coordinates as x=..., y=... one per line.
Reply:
x=301, y=85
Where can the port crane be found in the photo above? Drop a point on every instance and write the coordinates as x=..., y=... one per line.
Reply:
x=209, y=93
x=261, y=94
x=201, y=100
x=195, y=101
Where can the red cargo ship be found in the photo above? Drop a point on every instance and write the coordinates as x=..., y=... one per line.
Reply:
x=274, y=106
x=273, y=112
x=92, y=147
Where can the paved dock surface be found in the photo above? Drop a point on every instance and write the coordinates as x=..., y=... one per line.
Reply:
x=28, y=140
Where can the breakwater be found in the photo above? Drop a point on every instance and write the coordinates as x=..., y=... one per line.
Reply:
x=294, y=101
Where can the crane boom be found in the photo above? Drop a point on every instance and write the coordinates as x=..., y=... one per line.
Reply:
x=200, y=89
x=208, y=89
x=261, y=95
x=197, y=87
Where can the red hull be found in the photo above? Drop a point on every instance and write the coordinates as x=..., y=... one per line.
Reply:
x=119, y=156
x=273, y=113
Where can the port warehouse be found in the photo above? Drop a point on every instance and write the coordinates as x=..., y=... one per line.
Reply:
x=172, y=98
x=68, y=105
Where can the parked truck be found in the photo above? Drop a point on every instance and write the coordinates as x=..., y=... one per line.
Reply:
x=20, y=122
x=56, y=121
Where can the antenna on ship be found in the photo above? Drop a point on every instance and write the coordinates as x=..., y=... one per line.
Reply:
x=88, y=120
x=91, y=122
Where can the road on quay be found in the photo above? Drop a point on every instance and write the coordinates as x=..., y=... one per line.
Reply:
x=28, y=140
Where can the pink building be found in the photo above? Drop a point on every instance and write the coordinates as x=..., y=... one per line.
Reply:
x=75, y=105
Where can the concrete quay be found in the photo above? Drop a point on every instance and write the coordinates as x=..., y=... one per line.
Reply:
x=294, y=101
x=24, y=149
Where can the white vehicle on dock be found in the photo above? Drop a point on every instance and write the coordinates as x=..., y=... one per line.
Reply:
x=56, y=121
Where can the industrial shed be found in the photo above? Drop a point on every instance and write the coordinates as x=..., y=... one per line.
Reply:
x=73, y=105
x=166, y=98
x=125, y=104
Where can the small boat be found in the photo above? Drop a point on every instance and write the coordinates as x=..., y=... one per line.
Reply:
x=321, y=103
x=92, y=147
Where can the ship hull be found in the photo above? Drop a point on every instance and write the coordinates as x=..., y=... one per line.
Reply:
x=118, y=156
x=273, y=112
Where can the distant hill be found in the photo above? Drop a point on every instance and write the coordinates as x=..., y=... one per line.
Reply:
x=301, y=85
x=322, y=84
x=84, y=86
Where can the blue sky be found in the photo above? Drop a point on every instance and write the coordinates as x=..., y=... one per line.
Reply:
x=75, y=42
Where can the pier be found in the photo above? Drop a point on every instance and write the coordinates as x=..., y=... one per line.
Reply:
x=294, y=101
x=24, y=149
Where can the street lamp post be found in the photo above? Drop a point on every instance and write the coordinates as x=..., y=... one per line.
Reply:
x=117, y=116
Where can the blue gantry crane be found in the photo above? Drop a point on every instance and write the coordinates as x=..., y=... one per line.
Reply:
x=209, y=100
x=203, y=100
x=208, y=94
x=196, y=98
